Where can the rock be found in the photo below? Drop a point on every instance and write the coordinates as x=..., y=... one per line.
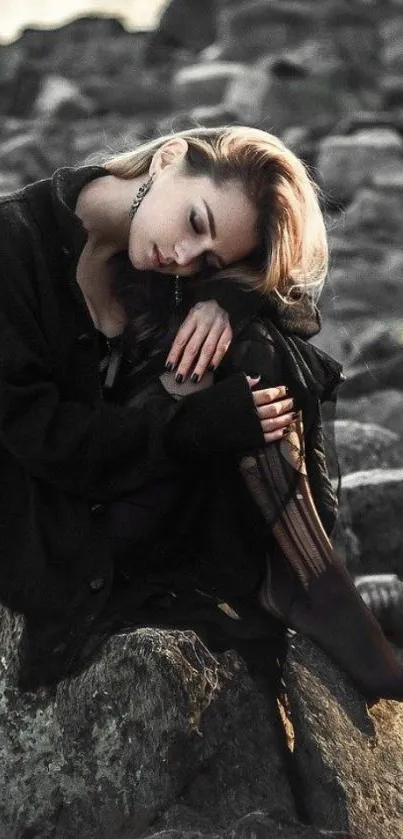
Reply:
x=391, y=33
x=347, y=163
x=256, y=825
x=373, y=499
x=134, y=95
x=283, y=96
x=382, y=407
x=364, y=281
x=376, y=213
x=349, y=760
x=203, y=84
x=154, y=716
x=60, y=99
x=184, y=29
x=9, y=182
x=247, y=93
x=27, y=155
x=362, y=446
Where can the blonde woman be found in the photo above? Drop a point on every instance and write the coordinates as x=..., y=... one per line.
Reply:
x=122, y=502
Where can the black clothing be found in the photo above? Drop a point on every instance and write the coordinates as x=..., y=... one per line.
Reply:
x=66, y=453
x=68, y=456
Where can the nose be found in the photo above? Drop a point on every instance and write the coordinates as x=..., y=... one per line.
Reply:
x=187, y=252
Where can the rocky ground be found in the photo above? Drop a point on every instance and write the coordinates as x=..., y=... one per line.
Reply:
x=190, y=745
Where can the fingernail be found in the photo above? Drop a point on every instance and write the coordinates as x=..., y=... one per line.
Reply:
x=211, y=368
x=294, y=414
x=194, y=378
x=287, y=390
x=169, y=366
x=179, y=378
x=254, y=375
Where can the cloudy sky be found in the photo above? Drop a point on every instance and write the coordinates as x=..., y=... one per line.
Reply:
x=15, y=14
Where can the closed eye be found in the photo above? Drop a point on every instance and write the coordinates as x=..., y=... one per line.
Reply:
x=195, y=223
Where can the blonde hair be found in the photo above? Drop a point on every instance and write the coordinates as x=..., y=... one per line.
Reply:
x=293, y=252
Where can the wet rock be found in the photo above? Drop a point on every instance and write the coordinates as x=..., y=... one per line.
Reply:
x=364, y=445
x=348, y=759
x=374, y=499
x=202, y=84
x=347, y=163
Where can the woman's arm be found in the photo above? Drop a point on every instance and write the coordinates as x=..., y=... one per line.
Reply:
x=98, y=450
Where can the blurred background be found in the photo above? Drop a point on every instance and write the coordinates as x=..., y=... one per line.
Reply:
x=78, y=82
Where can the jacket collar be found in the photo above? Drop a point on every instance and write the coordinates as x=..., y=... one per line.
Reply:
x=66, y=185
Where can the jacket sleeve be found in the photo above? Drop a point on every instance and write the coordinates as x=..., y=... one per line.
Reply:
x=98, y=451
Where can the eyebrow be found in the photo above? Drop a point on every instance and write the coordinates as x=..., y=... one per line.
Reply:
x=213, y=230
x=211, y=221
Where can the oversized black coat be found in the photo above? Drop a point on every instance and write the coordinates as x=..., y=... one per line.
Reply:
x=66, y=454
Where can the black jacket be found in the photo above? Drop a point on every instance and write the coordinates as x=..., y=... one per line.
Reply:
x=66, y=453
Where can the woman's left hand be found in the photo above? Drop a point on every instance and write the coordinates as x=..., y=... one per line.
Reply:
x=201, y=342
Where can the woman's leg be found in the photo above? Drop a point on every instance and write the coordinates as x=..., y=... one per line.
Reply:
x=314, y=593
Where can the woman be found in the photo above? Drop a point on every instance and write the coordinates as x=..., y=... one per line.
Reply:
x=117, y=494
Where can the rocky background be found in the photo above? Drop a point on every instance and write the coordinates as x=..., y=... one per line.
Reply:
x=159, y=737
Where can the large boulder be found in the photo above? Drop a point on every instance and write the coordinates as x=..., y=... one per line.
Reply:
x=204, y=84
x=154, y=717
x=347, y=163
x=371, y=502
x=348, y=760
x=362, y=446
x=382, y=407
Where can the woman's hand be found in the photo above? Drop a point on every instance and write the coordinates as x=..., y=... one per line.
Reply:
x=275, y=409
x=201, y=342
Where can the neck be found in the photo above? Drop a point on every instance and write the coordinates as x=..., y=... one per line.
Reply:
x=104, y=206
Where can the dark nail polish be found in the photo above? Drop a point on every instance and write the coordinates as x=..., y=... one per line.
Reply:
x=169, y=366
x=287, y=390
x=194, y=378
x=211, y=368
x=179, y=378
x=253, y=375
x=294, y=414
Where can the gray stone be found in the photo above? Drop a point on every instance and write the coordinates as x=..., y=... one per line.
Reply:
x=362, y=446
x=347, y=163
x=59, y=98
x=376, y=213
x=382, y=407
x=364, y=283
x=391, y=33
x=203, y=84
x=349, y=760
x=373, y=500
x=153, y=717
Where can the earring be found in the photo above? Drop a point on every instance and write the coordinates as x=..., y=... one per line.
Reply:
x=178, y=291
x=142, y=192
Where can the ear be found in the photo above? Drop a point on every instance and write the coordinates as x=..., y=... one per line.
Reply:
x=173, y=151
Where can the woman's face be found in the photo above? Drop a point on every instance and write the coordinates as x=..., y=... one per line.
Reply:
x=186, y=223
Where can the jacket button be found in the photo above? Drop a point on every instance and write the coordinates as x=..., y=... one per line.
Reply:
x=98, y=509
x=97, y=583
